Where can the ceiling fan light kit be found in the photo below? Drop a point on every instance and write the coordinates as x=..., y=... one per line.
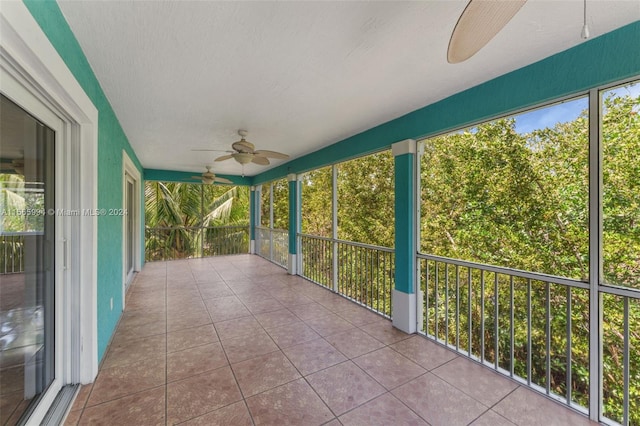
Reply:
x=243, y=157
x=209, y=177
x=246, y=153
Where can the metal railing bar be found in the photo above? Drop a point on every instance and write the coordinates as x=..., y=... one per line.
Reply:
x=457, y=307
x=482, y=315
x=547, y=309
x=495, y=320
x=512, y=325
x=446, y=302
x=515, y=272
x=469, y=308
x=436, y=304
x=529, y=332
x=569, y=339
x=620, y=291
x=350, y=243
x=625, y=368
x=426, y=297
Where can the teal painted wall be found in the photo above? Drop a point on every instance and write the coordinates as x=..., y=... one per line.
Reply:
x=252, y=214
x=611, y=57
x=186, y=177
x=294, y=189
x=111, y=142
x=405, y=235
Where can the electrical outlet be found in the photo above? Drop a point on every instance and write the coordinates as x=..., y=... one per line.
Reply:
x=111, y=303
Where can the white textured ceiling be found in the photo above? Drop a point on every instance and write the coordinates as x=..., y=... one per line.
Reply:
x=298, y=75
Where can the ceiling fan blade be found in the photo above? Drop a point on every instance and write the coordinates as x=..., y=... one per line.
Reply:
x=480, y=21
x=271, y=154
x=263, y=161
x=222, y=180
x=197, y=177
x=224, y=157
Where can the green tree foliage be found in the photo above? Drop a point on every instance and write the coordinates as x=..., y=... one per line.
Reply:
x=494, y=196
x=366, y=200
x=181, y=219
x=281, y=204
x=316, y=202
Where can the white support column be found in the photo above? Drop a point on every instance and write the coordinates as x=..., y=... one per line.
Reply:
x=254, y=219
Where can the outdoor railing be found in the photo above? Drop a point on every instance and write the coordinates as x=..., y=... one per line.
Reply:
x=534, y=328
x=168, y=243
x=11, y=253
x=361, y=272
x=273, y=245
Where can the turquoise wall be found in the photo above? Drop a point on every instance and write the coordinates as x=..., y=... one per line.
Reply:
x=186, y=177
x=111, y=142
x=294, y=189
x=611, y=57
x=405, y=234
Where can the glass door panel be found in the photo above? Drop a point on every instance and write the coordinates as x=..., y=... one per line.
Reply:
x=27, y=267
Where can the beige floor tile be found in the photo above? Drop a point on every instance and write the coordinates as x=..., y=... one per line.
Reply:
x=491, y=418
x=265, y=372
x=226, y=308
x=191, y=337
x=116, y=382
x=200, y=394
x=294, y=403
x=329, y=324
x=214, y=290
x=427, y=354
x=385, y=332
x=344, y=387
x=309, y=311
x=192, y=361
x=235, y=414
x=276, y=318
x=292, y=334
x=383, y=411
x=237, y=327
x=261, y=305
x=313, y=356
x=131, y=351
x=354, y=342
x=475, y=380
x=143, y=408
x=525, y=407
x=438, y=402
x=389, y=368
x=248, y=346
x=360, y=316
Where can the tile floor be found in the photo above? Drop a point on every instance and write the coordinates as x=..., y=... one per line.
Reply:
x=237, y=341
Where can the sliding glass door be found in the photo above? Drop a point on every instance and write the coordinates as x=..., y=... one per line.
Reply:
x=27, y=261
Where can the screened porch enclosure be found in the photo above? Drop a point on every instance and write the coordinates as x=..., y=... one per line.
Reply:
x=515, y=217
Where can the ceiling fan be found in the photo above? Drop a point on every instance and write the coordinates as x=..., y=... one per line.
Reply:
x=244, y=152
x=480, y=21
x=209, y=177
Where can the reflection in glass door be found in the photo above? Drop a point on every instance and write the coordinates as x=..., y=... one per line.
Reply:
x=27, y=267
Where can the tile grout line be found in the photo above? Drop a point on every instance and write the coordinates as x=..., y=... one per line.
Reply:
x=233, y=373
